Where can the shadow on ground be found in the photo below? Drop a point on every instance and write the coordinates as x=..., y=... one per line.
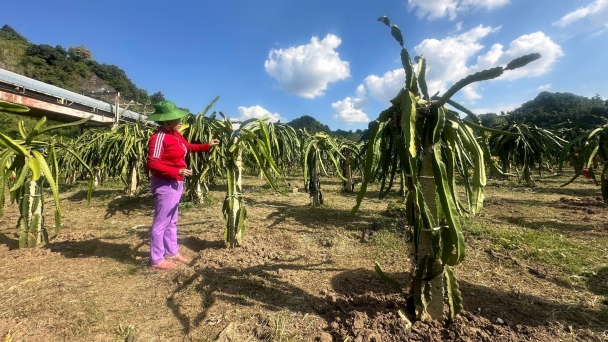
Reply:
x=101, y=194
x=560, y=226
x=95, y=247
x=314, y=217
x=496, y=201
x=359, y=297
x=9, y=242
x=598, y=283
x=529, y=310
x=264, y=285
x=128, y=205
x=570, y=192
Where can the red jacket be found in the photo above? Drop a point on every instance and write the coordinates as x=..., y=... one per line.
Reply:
x=167, y=153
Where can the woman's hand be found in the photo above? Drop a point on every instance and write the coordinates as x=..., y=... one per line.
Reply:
x=214, y=142
x=184, y=173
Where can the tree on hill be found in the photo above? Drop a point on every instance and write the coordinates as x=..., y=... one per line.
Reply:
x=70, y=69
x=492, y=119
x=309, y=123
x=7, y=32
x=157, y=97
x=80, y=53
x=366, y=132
x=350, y=135
x=549, y=109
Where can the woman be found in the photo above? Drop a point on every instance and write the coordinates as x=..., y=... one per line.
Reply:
x=167, y=151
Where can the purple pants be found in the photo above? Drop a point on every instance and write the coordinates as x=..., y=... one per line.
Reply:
x=163, y=233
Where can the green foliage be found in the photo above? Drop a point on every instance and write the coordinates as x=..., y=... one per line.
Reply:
x=7, y=32
x=253, y=138
x=318, y=153
x=529, y=148
x=26, y=165
x=201, y=128
x=309, y=124
x=584, y=151
x=550, y=109
x=69, y=69
x=11, y=54
x=79, y=53
x=350, y=135
x=117, y=79
x=312, y=126
x=185, y=206
x=9, y=126
x=119, y=153
x=424, y=144
x=492, y=119
x=157, y=97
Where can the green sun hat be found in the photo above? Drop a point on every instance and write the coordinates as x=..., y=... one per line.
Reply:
x=166, y=111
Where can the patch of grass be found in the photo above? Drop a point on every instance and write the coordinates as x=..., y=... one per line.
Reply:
x=125, y=333
x=281, y=332
x=283, y=326
x=124, y=271
x=93, y=313
x=571, y=255
x=390, y=243
x=209, y=199
x=185, y=206
x=266, y=189
x=107, y=225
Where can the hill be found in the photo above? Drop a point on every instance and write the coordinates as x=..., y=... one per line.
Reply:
x=73, y=68
x=549, y=109
x=312, y=126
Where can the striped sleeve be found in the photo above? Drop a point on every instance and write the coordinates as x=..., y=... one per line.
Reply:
x=155, y=157
x=156, y=144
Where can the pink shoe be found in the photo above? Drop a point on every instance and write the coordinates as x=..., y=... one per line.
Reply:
x=179, y=258
x=163, y=265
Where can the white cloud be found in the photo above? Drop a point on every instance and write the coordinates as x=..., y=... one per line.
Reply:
x=489, y=4
x=306, y=70
x=433, y=9
x=597, y=33
x=447, y=59
x=384, y=88
x=596, y=12
x=544, y=87
x=258, y=112
x=470, y=92
x=529, y=43
x=458, y=27
x=350, y=110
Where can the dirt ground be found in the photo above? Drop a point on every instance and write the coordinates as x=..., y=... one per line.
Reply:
x=304, y=273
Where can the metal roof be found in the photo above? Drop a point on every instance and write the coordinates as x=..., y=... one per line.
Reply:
x=41, y=87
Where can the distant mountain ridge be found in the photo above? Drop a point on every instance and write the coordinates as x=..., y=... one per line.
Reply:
x=549, y=109
x=312, y=126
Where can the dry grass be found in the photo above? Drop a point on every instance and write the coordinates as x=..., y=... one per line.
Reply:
x=92, y=283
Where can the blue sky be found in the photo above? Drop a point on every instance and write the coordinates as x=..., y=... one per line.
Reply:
x=329, y=59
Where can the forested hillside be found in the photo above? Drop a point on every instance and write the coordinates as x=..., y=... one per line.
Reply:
x=310, y=124
x=73, y=68
x=549, y=109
